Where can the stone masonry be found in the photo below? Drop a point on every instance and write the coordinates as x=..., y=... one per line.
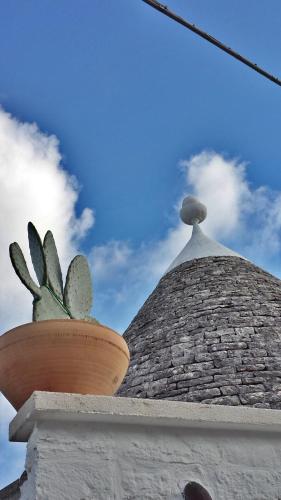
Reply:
x=210, y=332
x=83, y=447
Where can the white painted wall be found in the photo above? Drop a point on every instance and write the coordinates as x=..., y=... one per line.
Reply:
x=113, y=449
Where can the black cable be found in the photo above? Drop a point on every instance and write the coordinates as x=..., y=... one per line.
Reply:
x=164, y=9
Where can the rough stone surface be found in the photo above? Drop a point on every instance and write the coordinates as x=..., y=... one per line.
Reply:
x=210, y=332
x=71, y=462
x=93, y=454
x=12, y=491
x=66, y=407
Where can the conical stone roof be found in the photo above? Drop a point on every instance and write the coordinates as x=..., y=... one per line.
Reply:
x=210, y=332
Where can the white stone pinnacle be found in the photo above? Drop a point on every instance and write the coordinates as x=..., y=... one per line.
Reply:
x=192, y=213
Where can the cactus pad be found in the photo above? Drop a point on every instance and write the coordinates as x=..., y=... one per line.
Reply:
x=21, y=269
x=53, y=265
x=50, y=301
x=77, y=299
x=48, y=307
x=37, y=254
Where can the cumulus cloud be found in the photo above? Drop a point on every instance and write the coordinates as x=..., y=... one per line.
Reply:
x=12, y=455
x=246, y=219
x=33, y=186
x=242, y=216
x=221, y=184
x=218, y=182
x=109, y=259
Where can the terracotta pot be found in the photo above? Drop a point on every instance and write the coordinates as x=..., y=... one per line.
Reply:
x=61, y=356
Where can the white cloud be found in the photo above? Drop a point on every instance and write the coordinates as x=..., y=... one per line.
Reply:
x=6, y=413
x=110, y=258
x=246, y=219
x=12, y=454
x=221, y=184
x=33, y=186
x=80, y=227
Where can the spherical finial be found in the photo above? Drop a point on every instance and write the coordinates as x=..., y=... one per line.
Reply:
x=192, y=211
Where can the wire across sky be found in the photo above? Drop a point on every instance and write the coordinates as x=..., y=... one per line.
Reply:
x=165, y=10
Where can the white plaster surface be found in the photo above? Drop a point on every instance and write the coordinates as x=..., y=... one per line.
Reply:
x=200, y=246
x=91, y=448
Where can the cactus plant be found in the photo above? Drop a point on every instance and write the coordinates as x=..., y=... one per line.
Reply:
x=50, y=300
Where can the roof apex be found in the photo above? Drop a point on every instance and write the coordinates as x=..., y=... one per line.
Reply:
x=192, y=213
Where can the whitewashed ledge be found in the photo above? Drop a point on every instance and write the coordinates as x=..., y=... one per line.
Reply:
x=97, y=447
x=50, y=406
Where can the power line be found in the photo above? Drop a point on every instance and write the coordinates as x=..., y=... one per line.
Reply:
x=164, y=9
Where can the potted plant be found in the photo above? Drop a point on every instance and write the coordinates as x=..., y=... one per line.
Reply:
x=63, y=349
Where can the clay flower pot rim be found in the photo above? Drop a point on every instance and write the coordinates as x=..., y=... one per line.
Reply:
x=33, y=323
x=60, y=320
x=61, y=355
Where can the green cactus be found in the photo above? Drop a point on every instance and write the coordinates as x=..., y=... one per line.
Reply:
x=78, y=300
x=50, y=301
x=53, y=265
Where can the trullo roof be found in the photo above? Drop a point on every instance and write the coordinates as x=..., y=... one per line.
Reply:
x=210, y=331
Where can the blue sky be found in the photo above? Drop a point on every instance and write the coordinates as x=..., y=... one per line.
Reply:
x=142, y=111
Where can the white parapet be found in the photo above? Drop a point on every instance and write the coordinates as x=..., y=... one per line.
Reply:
x=109, y=448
